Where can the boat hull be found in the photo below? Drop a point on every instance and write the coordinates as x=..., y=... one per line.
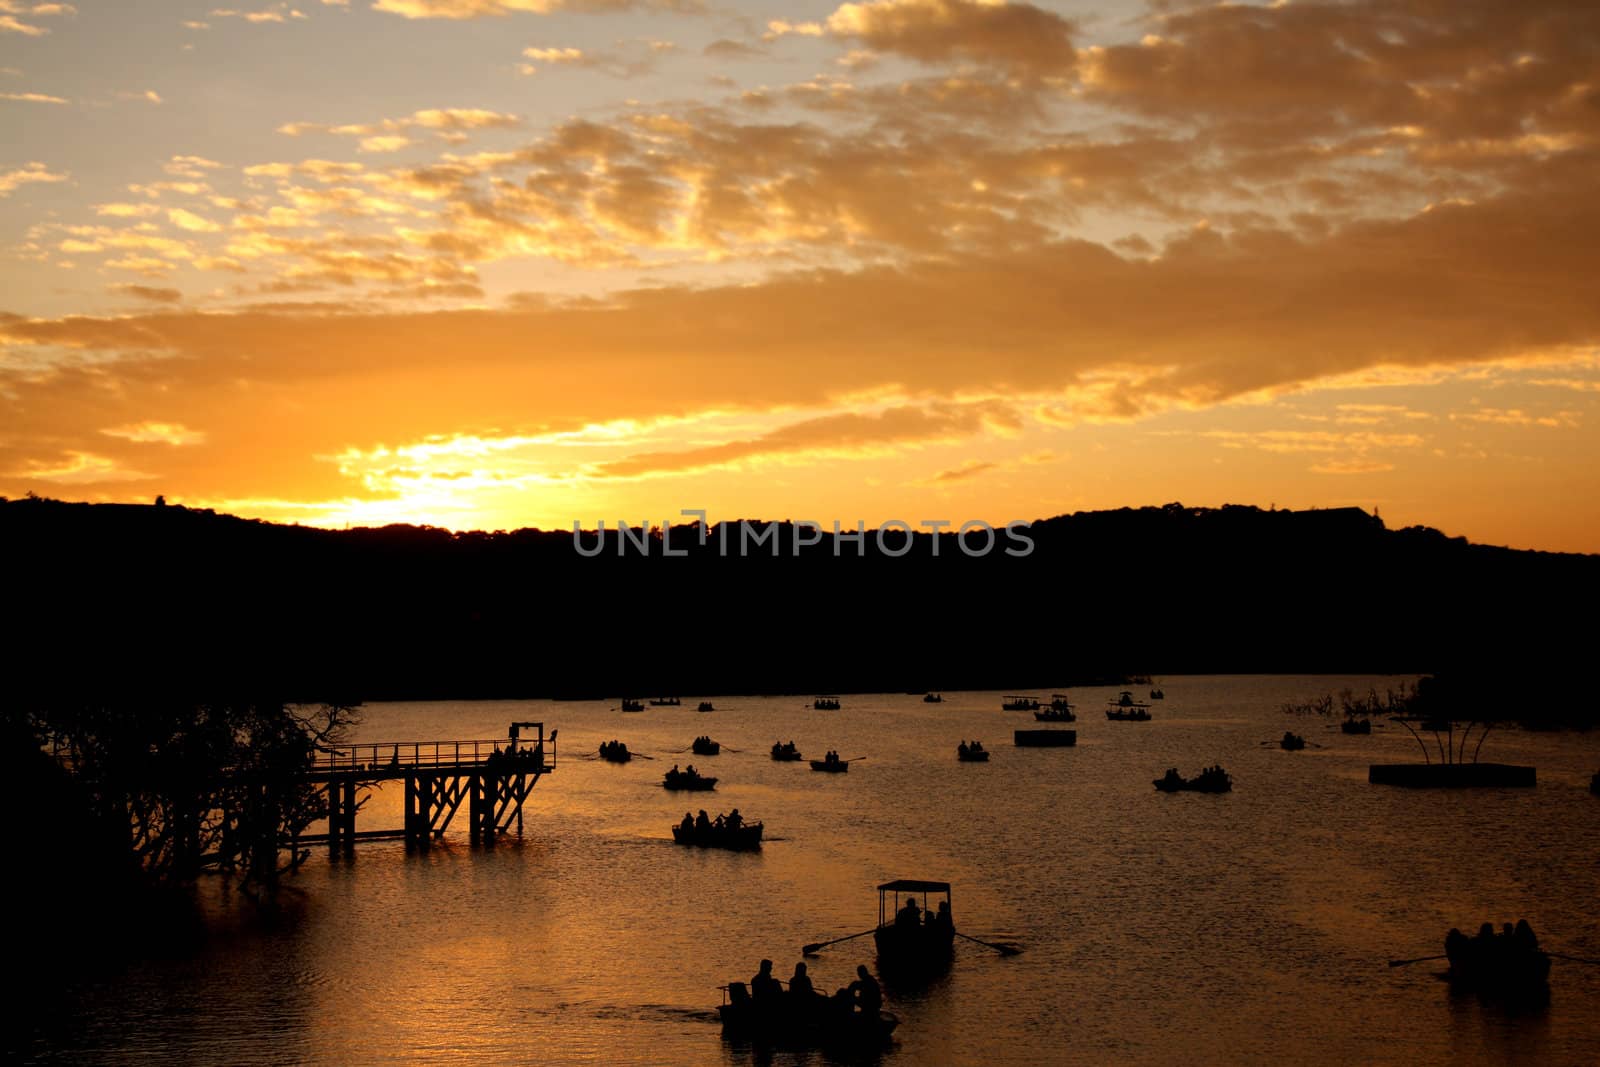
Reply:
x=742, y=839
x=1452, y=775
x=831, y=768
x=973, y=757
x=905, y=951
x=814, y=1022
x=700, y=784
x=1054, y=716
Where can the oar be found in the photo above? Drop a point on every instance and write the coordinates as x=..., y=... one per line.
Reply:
x=1419, y=959
x=1004, y=950
x=1574, y=959
x=857, y=759
x=811, y=949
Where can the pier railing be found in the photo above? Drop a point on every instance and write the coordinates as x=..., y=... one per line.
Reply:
x=391, y=755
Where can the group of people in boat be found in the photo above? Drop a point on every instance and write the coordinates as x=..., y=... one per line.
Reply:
x=613, y=749
x=964, y=749
x=912, y=917
x=1211, y=780
x=864, y=995
x=831, y=758
x=703, y=822
x=1512, y=953
x=782, y=750
x=703, y=745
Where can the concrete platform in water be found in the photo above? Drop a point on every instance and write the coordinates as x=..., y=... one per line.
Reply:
x=1451, y=775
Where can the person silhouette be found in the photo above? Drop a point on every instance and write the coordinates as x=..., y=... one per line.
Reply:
x=869, y=996
x=763, y=986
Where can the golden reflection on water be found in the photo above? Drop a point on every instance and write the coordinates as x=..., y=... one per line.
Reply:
x=1251, y=927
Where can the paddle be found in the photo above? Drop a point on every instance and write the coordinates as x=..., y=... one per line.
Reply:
x=1419, y=959
x=1574, y=959
x=857, y=759
x=1004, y=950
x=811, y=949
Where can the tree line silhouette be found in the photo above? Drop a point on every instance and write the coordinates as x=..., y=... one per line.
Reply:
x=120, y=599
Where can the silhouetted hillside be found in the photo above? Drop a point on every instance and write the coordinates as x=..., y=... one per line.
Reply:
x=118, y=597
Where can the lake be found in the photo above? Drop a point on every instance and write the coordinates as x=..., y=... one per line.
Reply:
x=1250, y=927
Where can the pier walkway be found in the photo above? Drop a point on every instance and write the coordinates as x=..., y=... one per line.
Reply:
x=494, y=777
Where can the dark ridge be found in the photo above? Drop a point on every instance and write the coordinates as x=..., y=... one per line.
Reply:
x=116, y=599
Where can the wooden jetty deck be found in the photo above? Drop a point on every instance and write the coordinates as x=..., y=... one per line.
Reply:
x=494, y=777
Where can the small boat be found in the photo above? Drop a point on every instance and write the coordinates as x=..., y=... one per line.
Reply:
x=706, y=705
x=1156, y=694
x=1594, y=784
x=704, y=746
x=832, y=764
x=785, y=753
x=908, y=946
x=1507, y=964
x=973, y=753
x=1210, y=780
x=1126, y=709
x=1056, y=714
x=826, y=704
x=1017, y=703
x=615, y=752
x=811, y=1022
x=665, y=702
x=1291, y=742
x=739, y=838
x=933, y=698
x=632, y=705
x=1356, y=726
x=689, y=779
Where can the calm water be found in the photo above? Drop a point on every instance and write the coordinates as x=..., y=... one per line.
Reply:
x=1159, y=929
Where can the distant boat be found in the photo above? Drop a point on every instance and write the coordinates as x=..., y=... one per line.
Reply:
x=1156, y=694
x=785, y=753
x=615, y=752
x=704, y=746
x=632, y=705
x=1498, y=964
x=1060, y=710
x=706, y=705
x=833, y=764
x=1125, y=709
x=1594, y=784
x=689, y=779
x=973, y=753
x=1210, y=780
x=1356, y=726
x=932, y=698
x=1018, y=703
x=1291, y=742
x=738, y=838
x=826, y=704
x=665, y=702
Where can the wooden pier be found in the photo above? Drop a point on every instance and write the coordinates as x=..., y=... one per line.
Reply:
x=494, y=777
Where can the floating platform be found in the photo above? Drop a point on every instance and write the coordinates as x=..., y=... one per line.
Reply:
x=1044, y=738
x=1451, y=775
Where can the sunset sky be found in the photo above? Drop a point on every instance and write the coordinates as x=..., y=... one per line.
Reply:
x=497, y=263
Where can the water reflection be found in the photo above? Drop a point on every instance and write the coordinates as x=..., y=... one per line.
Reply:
x=1252, y=926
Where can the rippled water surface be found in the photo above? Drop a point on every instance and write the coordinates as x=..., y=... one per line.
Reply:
x=1252, y=927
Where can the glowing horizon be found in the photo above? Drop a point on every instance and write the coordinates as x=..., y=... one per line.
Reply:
x=487, y=264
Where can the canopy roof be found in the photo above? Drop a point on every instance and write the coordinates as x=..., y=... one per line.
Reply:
x=913, y=885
